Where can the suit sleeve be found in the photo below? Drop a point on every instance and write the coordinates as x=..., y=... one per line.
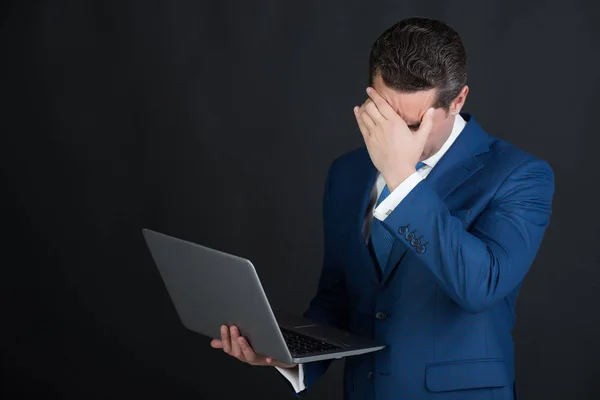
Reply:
x=391, y=202
x=484, y=264
x=330, y=304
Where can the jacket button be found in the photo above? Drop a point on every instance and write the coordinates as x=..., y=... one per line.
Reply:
x=403, y=229
x=410, y=236
x=370, y=375
x=421, y=249
x=381, y=316
x=415, y=242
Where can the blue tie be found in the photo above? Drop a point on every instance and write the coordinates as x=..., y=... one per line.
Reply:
x=381, y=238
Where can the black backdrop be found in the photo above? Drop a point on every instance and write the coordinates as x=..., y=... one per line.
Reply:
x=216, y=122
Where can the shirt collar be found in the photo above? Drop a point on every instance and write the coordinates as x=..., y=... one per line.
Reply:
x=459, y=124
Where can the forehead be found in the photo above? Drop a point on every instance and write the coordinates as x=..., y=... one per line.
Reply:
x=410, y=106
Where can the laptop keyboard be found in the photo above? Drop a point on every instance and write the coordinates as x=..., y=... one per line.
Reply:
x=300, y=345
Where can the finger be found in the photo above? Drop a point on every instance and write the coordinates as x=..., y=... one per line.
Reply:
x=276, y=363
x=247, y=351
x=272, y=362
x=366, y=120
x=371, y=109
x=384, y=108
x=235, y=346
x=216, y=344
x=361, y=124
x=426, y=124
x=225, y=339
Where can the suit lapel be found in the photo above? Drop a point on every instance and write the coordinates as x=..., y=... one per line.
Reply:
x=454, y=168
x=459, y=162
x=397, y=254
x=364, y=179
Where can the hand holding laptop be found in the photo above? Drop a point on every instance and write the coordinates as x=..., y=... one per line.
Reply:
x=237, y=346
x=198, y=278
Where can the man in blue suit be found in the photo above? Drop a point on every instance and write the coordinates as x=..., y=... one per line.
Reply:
x=430, y=230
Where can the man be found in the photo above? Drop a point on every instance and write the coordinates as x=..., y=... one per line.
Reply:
x=429, y=232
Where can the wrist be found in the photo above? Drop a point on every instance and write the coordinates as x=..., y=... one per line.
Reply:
x=393, y=180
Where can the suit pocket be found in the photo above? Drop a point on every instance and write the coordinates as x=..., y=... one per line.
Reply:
x=470, y=374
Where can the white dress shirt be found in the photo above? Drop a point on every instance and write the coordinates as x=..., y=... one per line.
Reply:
x=296, y=376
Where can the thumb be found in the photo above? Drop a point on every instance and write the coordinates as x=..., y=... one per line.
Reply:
x=426, y=125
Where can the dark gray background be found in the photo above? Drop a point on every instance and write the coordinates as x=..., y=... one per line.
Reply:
x=216, y=122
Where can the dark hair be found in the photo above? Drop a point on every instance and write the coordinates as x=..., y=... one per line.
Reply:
x=420, y=54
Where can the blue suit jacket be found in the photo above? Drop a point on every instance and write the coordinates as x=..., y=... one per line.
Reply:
x=445, y=306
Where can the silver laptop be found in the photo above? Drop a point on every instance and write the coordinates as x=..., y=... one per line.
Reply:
x=210, y=288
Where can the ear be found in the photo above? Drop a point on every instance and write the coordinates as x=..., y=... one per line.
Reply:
x=458, y=103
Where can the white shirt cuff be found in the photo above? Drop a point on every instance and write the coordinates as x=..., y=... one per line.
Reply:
x=388, y=205
x=295, y=376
